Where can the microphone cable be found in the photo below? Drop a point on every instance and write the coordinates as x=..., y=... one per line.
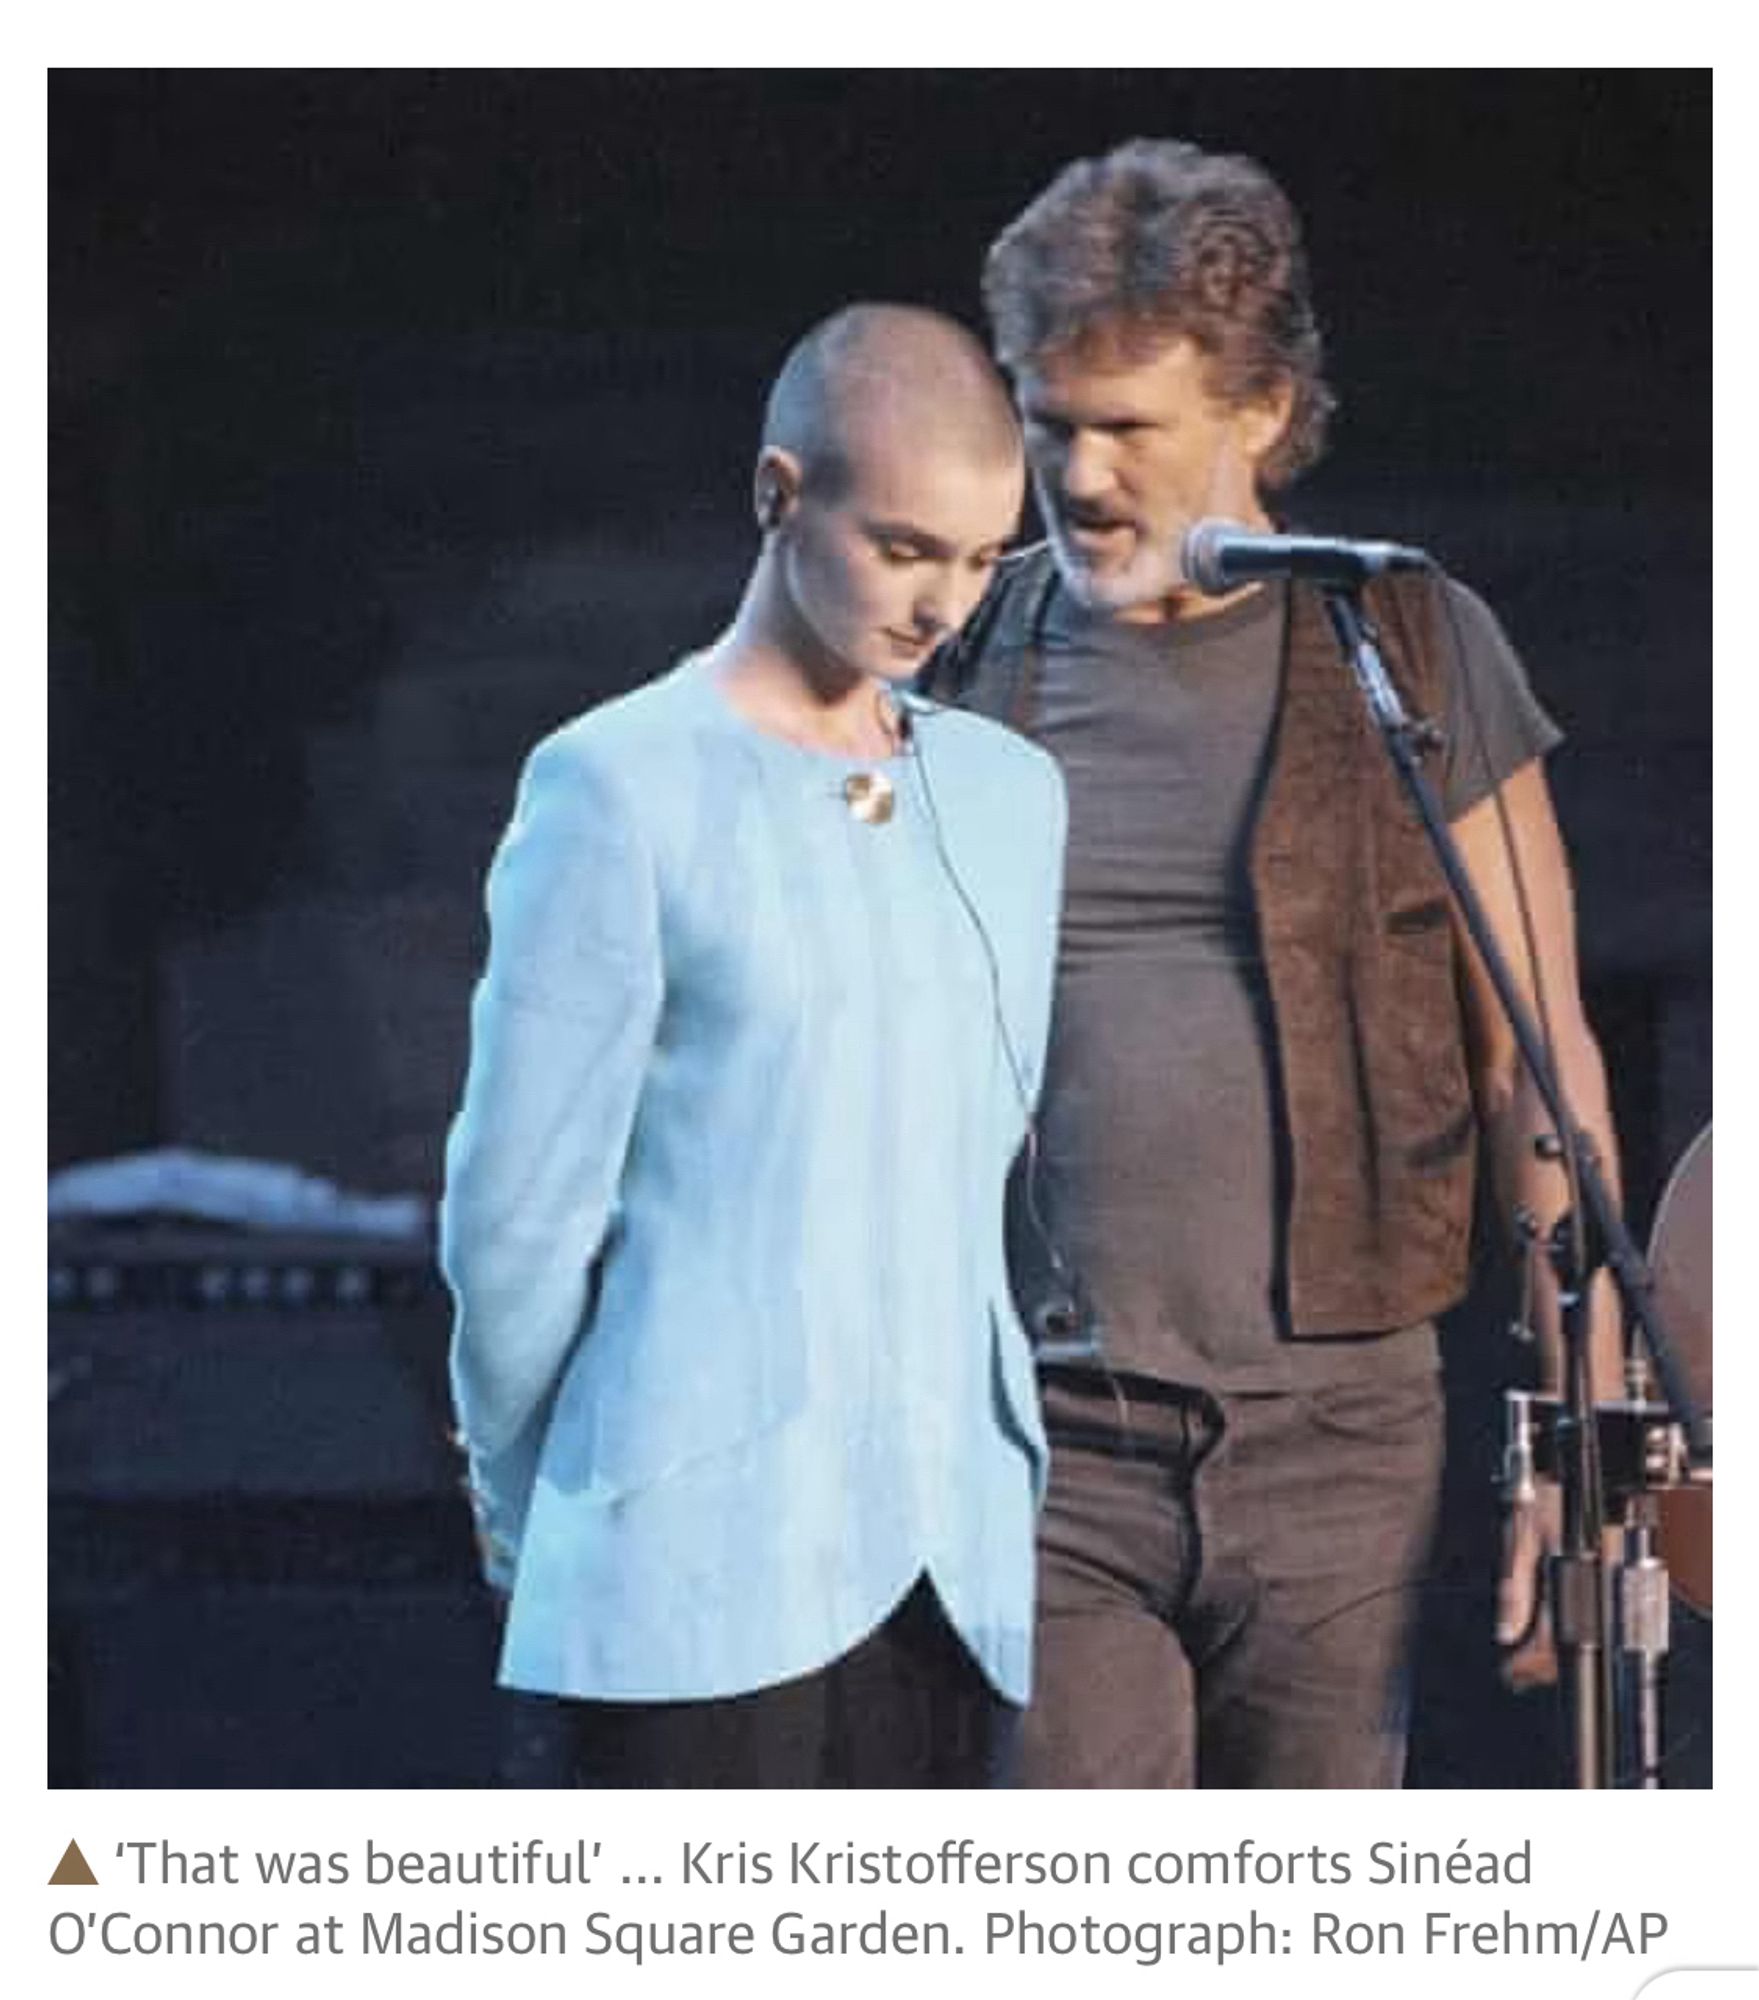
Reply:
x=1063, y=1329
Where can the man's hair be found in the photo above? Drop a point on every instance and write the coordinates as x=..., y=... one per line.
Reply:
x=1160, y=239
x=897, y=364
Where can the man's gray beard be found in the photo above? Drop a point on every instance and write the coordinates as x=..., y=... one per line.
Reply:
x=1146, y=579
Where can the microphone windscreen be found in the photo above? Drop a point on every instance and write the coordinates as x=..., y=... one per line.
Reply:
x=1201, y=556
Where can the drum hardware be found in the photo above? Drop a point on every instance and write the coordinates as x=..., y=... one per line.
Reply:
x=1649, y=1476
x=1642, y=1446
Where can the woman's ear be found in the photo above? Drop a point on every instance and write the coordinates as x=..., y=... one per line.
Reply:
x=775, y=486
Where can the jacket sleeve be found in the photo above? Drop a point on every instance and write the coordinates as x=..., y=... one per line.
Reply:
x=561, y=1029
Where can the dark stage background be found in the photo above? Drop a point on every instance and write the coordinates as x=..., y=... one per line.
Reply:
x=395, y=416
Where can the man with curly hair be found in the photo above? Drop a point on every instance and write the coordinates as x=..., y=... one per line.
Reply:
x=1273, y=1049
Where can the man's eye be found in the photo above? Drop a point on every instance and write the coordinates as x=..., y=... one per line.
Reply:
x=899, y=552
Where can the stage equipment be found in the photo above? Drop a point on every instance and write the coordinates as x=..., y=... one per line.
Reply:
x=1589, y=1236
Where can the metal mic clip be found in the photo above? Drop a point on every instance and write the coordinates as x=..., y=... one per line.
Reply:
x=1517, y=1455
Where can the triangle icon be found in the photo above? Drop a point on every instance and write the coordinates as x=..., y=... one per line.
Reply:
x=72, y=1868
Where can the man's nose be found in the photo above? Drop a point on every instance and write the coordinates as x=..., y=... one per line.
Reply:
x=1086, y=472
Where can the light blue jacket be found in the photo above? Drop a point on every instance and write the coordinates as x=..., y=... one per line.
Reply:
x=734, y=1354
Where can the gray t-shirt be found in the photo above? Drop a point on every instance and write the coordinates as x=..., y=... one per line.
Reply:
x=1163, y=1169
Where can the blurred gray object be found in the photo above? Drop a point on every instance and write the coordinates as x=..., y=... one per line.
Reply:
x=252, y=1194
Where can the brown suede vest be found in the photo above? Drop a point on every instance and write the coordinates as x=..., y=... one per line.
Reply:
x=1358, y=946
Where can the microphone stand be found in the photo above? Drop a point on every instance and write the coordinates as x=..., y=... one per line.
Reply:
x=1589, y=1236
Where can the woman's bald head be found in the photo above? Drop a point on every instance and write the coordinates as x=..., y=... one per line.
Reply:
x=887, y=375
x=889, y=483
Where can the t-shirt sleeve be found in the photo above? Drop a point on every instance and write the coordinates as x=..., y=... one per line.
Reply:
x=1494, y=722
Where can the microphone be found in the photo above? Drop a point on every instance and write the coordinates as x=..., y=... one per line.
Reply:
x=1220, y=556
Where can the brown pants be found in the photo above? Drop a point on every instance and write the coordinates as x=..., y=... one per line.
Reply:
x=1227, y=1589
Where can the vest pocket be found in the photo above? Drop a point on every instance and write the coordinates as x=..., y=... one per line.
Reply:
x=1424, y=1118
x=1435, y=1154
x=1416, y=918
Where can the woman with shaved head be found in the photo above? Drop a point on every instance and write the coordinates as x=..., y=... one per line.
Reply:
x=752, y=1430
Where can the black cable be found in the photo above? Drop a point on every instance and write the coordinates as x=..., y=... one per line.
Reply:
x=1082, y=1343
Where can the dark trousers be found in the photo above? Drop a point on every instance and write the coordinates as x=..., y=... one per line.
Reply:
x=907, y=1707
x=1227, y=1588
